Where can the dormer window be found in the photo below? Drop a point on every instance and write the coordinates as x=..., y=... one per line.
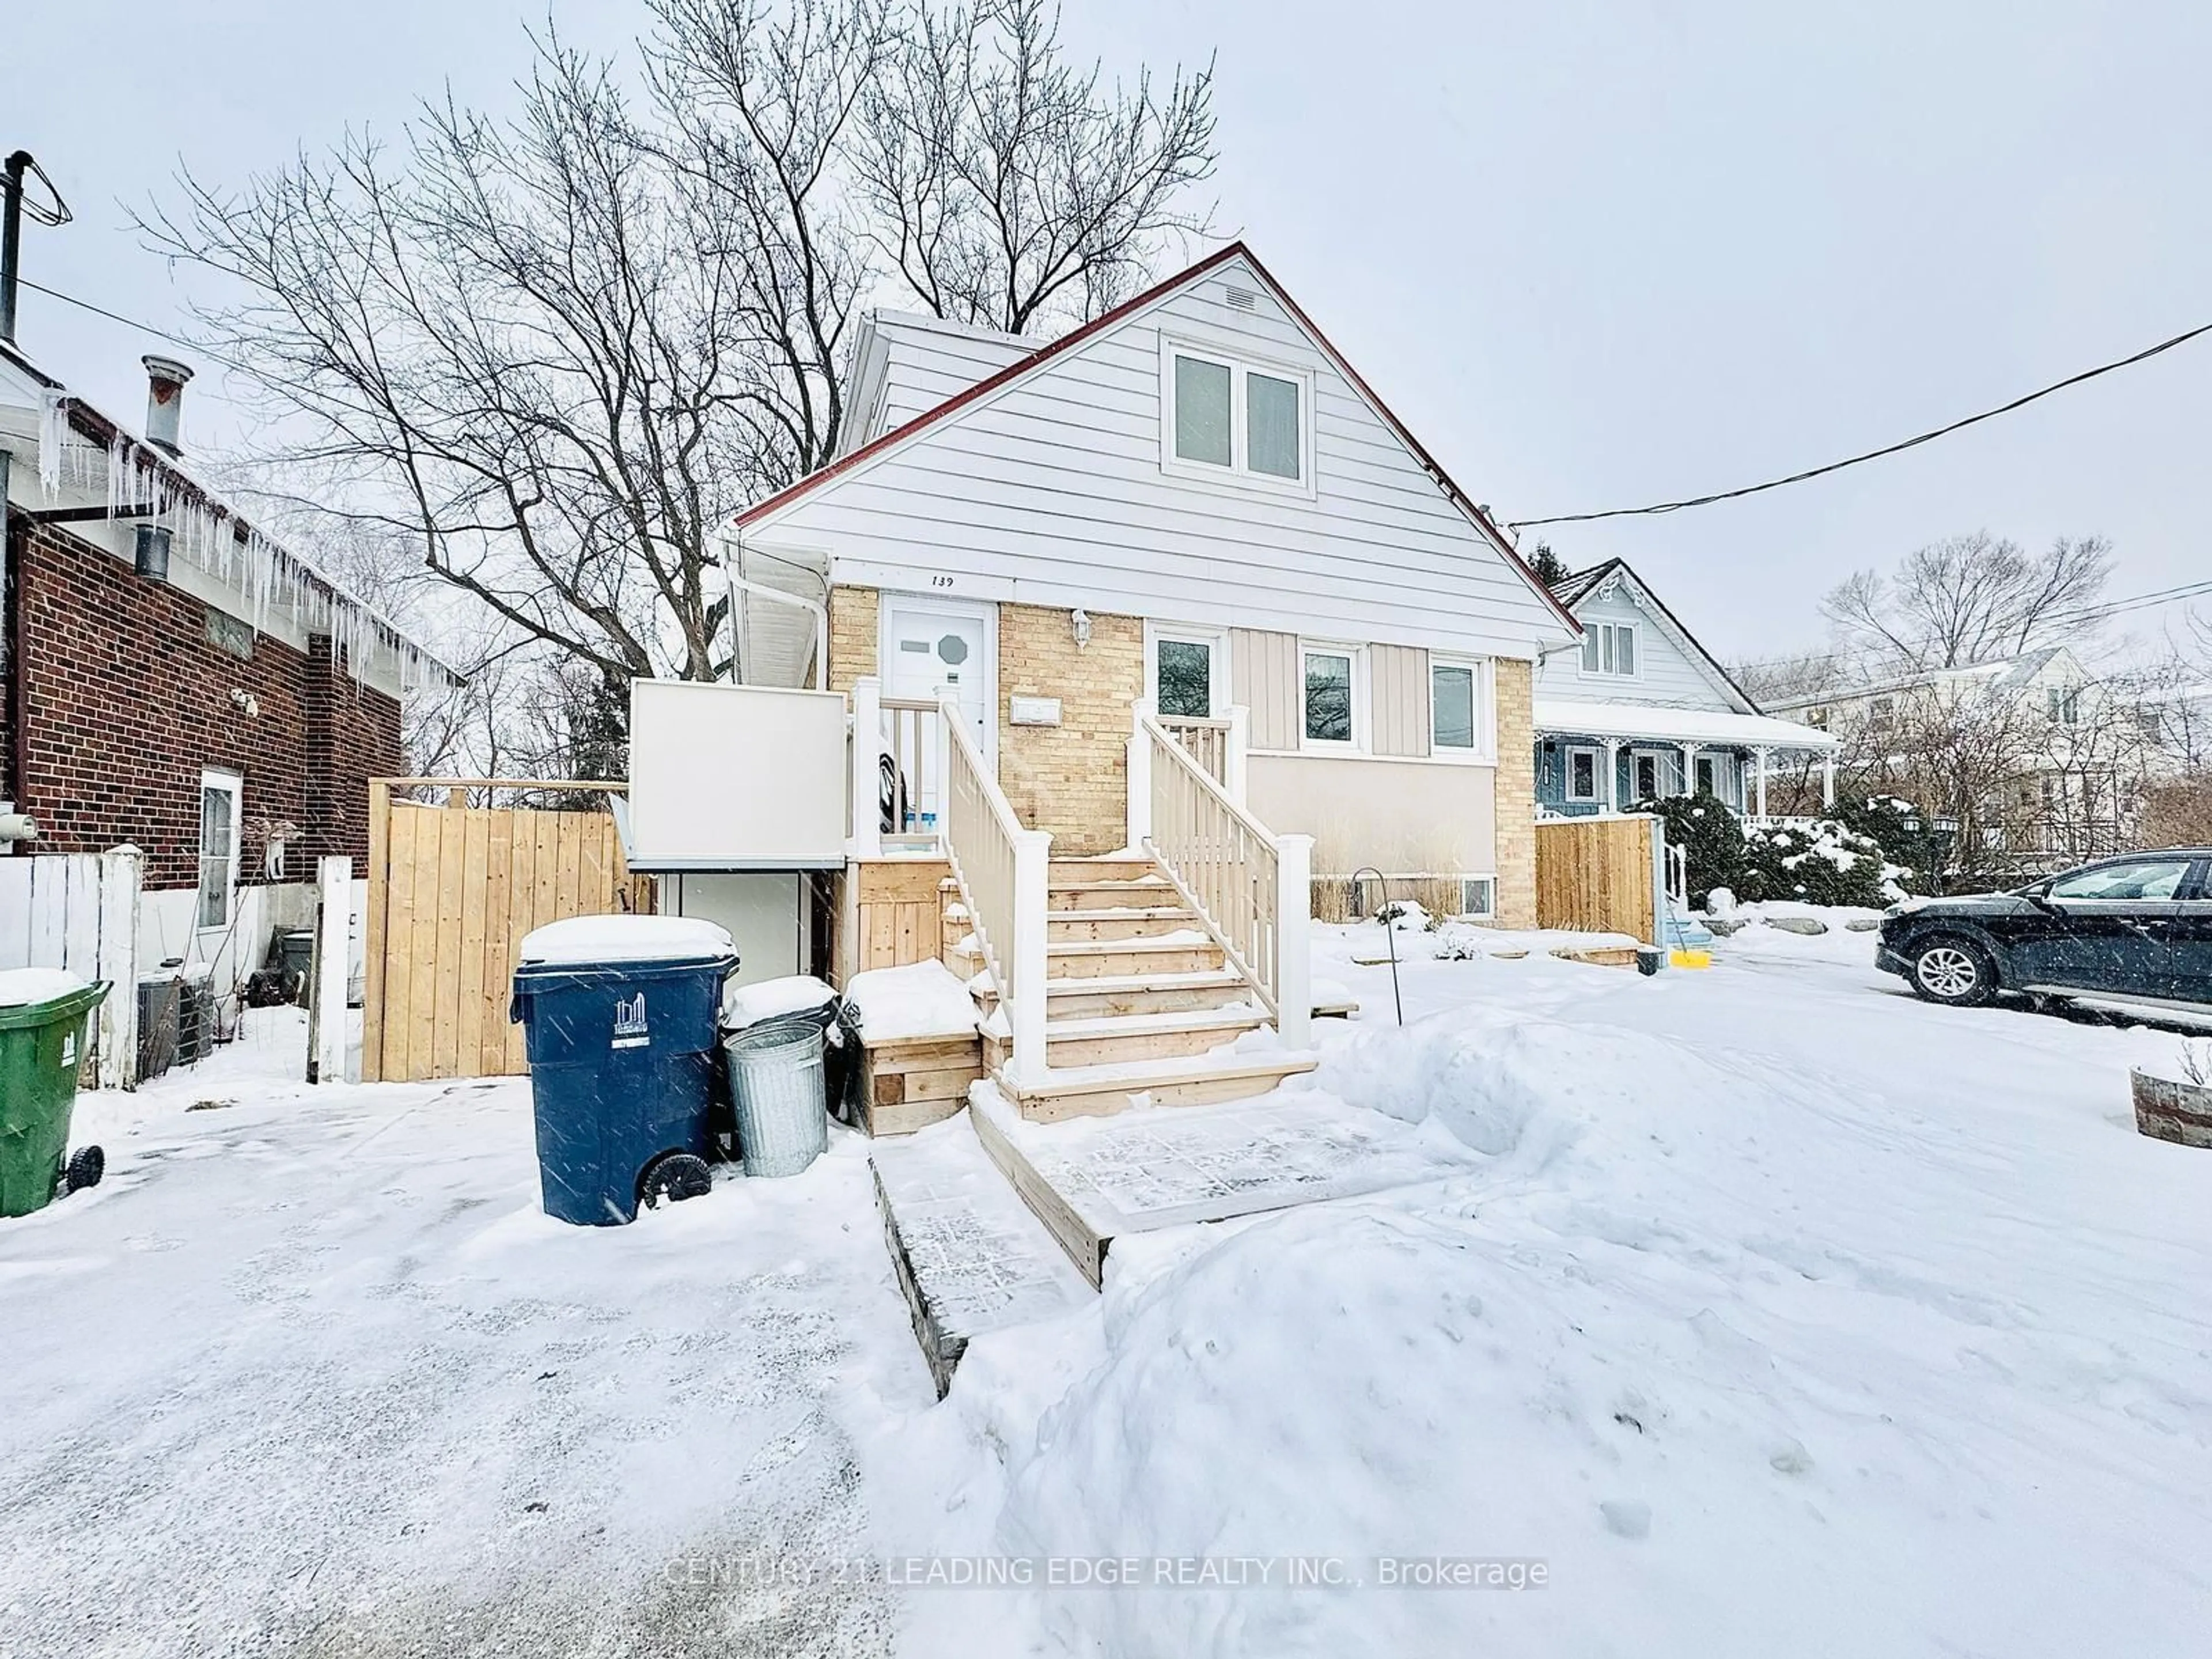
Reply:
x=1247, y=421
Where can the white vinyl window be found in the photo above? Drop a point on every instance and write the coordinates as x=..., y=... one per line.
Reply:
x=1609, y=649
x=1479, y=897
x=1241, y=419
x=1582, y=775
x=1459, y=716
x=220, y=794
x=1189, y=673
x=1331, y=699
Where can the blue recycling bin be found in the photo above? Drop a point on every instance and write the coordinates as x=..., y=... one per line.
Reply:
x=619, y=1017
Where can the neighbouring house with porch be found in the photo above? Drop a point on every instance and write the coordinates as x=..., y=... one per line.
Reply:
x=1143, y=638
x=176, y=684
x=1638, y=710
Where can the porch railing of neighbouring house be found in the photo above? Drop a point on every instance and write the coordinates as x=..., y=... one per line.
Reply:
x=1003, y=872
x=1252, y=890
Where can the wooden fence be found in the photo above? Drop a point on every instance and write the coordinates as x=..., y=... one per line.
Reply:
x=452, y=890
x=80, y=911
x=1598, y=875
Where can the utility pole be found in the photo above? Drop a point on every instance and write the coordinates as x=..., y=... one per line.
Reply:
x=12, y=206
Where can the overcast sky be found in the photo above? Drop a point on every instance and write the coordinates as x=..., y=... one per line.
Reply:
x=1594, y=254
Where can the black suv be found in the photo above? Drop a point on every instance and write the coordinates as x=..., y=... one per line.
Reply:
x=2133, y=930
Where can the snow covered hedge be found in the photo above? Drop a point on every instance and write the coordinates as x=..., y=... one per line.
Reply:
x=1823, y=862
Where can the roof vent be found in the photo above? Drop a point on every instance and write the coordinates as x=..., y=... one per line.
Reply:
x=1242, y=299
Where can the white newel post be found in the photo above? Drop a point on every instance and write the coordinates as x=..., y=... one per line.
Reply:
x=1762, y=783
x=333, y=958
x=1032, y=867
x=1141, y=774
x=867, y=750
x=1293, y=924
x=1828, y=779
x=1240, y=745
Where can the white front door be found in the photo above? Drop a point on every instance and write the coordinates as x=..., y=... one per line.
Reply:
x=931, y=647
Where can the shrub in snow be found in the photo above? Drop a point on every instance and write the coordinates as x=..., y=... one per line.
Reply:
x=1708, y=831
x=1819, y=863
x=1901, y=831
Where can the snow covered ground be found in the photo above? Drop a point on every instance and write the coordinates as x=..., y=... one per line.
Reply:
x=1784, y=1314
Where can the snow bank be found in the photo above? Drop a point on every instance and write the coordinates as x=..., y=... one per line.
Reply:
x=922, y=1000
x=21, y=987
x=581, y=940
x=1736, y=1354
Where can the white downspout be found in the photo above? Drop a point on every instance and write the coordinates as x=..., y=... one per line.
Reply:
x=728, y=539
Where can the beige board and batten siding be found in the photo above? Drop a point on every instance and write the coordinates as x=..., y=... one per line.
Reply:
x=1267, y=676
x=1051, y=491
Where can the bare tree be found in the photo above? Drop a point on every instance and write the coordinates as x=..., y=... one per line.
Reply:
x=1796, y=674
x=547, y=356
x=1968, y=599
x=1010, y=186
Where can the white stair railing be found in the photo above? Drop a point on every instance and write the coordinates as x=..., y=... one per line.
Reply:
x=1252, y=890
x=1003, y=870
x=896, y=776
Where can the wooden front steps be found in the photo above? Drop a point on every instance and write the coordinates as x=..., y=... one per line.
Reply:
x=1139, y=1001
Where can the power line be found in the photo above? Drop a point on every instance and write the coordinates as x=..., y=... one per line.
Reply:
x=116, y=317
x=1872, y=454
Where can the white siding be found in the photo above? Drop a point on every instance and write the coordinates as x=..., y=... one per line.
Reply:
x=1666, y=676
x=909, y=364
x=1051, y=492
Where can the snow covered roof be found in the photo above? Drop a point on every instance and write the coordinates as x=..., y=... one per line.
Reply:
x=81, y=452
x=1557, y=717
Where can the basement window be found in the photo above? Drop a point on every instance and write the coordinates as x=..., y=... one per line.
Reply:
x=1479, y=897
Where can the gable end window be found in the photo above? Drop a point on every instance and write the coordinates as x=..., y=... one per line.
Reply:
x=1609, y=649
x=1237, y=419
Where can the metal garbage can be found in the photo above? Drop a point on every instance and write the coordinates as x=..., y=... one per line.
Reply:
x=776, y=1082
x=619, y=1015
x=802, y=996
x=43, y=1013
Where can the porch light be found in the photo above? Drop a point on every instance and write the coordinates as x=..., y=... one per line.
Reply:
x=1080, y=621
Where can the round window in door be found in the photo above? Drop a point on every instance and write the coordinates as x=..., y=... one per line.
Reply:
x=953, y=649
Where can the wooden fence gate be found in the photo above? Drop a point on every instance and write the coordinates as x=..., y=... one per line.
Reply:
x=452, y=890
x=1601, y=874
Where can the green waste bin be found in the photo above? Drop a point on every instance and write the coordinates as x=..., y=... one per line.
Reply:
x=42, y=1042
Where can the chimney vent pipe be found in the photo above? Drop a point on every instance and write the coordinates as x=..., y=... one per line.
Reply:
x=153, y=560
x=164, y=403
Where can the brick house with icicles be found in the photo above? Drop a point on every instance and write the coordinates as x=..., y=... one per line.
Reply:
x=175, y=681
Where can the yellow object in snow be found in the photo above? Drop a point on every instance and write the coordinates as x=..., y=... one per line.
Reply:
x=1688, y=959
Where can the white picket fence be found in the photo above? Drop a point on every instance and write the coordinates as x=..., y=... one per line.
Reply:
x=79, y=911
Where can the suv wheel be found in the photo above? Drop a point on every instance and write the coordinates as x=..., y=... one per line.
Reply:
x=1954, y=971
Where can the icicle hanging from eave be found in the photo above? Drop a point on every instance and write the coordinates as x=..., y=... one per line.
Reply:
x=53, y=436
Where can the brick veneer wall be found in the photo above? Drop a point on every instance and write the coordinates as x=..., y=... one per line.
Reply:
x=1072, y=779
x=852, y=632
x=124, y=700
x=1517, y=794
